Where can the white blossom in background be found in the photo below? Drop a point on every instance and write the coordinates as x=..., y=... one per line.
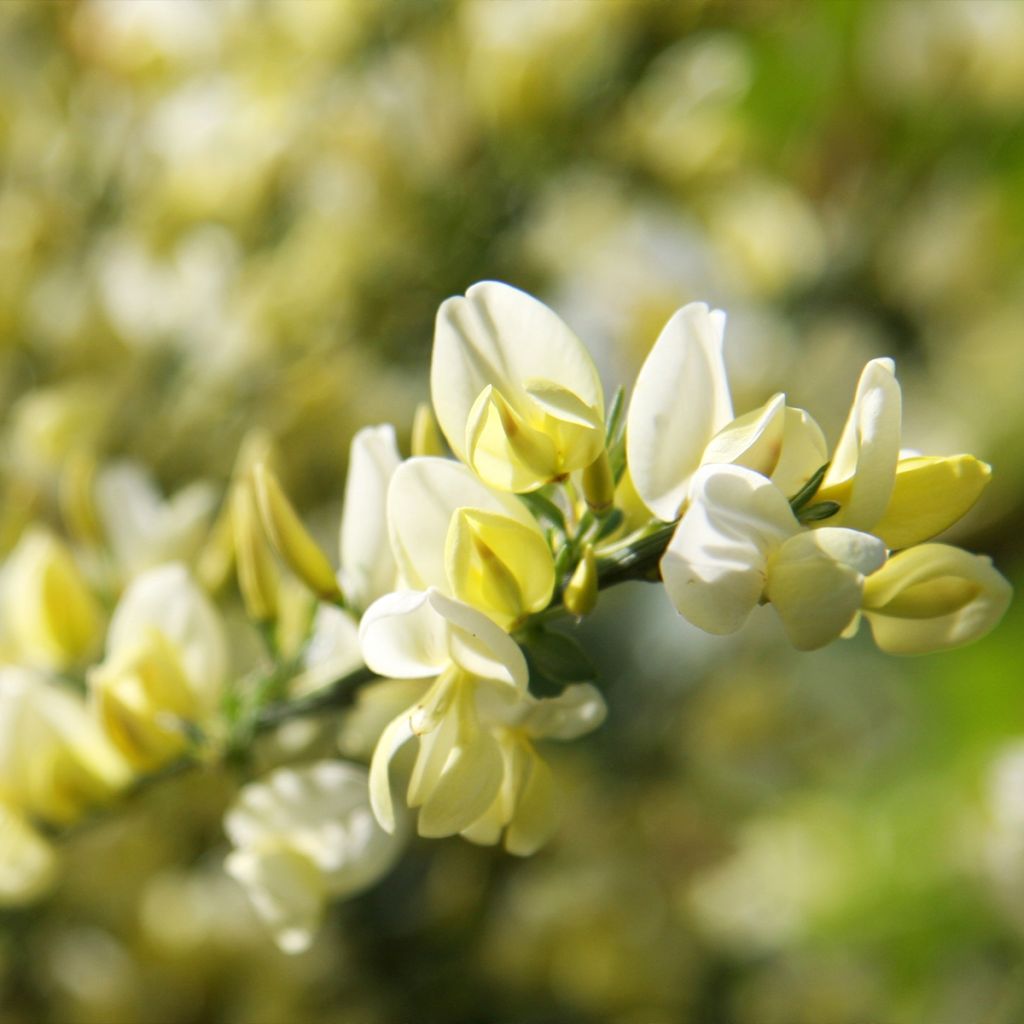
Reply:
x=142, y=527
x=303, y=836
x=165, y=668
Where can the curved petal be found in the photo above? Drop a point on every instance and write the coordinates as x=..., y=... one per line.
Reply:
x=933, y=597
x=753, y=440
x=392, y=739
x=402, y=635
x=498, y=565
x=681, y=400
x=576, y=711
x=480, y=647
x=367, y=564
x=815, y=582
x=930, y=495
x=715, y=566
x=466, y=788
x=498, y=335
x=536, y=814
x=804, y=452
x=863, y=468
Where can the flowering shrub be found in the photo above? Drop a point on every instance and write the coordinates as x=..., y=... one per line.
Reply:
x=453, y=570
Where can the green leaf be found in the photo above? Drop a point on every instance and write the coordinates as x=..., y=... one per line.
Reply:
x=610, y=524
x=544, y=508
x=809, y=490
x=816, y=513
x=559, y=657
x=613, y=434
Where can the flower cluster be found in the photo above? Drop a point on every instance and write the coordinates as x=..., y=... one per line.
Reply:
x=525, y=496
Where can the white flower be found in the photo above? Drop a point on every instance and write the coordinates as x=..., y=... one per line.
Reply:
x=143, y=528
x=458, y=766
x=165, y=669
x=514, y=390
x=739, y=542
x=304, y=836
x=681, y=417
x=367, y=565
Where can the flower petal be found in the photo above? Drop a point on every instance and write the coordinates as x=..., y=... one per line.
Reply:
x=402, y=635
x=367, y=564
x=680, y=402
x=863, y=468
x=815, y=582
x=930, y=494
x=168, y=600
x=933, y=597
x=501, y=336
x=715, y=565
x=422, y=498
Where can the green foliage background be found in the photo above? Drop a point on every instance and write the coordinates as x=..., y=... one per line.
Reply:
x=222, y=215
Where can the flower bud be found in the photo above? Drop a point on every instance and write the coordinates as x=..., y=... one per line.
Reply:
x=257, y=574
x=426, y=437
x=290, y=538
x=599, y=485
x=580, y=596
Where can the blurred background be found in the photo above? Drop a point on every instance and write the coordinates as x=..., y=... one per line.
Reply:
x=220, y=215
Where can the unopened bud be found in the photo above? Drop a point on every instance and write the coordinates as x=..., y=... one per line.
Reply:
x=257, y=575
x=599, y=485
x=75, y=493
x=290, y=538
x=426, y=437
x=580, y=597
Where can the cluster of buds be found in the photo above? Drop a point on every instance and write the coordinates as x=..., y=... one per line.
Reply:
x=525, y=496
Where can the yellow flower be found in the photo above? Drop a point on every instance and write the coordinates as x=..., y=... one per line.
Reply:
x=933, y=597
x=51, y=619
x=55, y=762
x=165, y=668
x=480, y=546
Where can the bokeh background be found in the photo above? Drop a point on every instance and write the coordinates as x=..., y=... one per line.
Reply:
x=220, y=215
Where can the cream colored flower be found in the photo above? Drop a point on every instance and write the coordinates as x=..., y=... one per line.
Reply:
x=304, y=836
x=451, y=531
x=143, y=528
x=458, y=766
x=50, y=618
x=739, y=543
x=165, y=668
x=55, y=762
x=515, y=392
x=681, y=417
